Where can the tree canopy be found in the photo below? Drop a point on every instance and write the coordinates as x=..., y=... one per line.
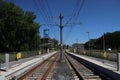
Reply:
x=111, y=40
x=18, y=30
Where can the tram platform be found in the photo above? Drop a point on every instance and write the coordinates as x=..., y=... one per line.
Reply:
x=110, y=65
x=22, y=66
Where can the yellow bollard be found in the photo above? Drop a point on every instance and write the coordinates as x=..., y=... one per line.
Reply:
x=19, y=55
x=105, y=55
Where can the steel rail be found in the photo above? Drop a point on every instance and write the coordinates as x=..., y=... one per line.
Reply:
x=50, y=68
x=104, y=73
x=33, y=70
x=81, y=74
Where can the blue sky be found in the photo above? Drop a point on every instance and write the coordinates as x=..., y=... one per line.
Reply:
x=96, y=17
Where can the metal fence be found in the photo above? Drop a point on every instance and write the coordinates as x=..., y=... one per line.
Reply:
x=13, y=55
x=2, y=58
x=112, y=56
x=100, y=54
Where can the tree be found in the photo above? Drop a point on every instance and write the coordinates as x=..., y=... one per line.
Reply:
x=112, y=40
x=18, y=31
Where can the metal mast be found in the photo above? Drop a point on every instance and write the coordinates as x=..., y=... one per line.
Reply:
x=61, y=36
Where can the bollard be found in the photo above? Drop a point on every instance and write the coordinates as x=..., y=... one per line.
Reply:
x=118, y=62
x=47, y=50
x=7, y=61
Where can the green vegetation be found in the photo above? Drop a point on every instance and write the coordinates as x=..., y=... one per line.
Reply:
x=112, y=40
x=18, y=30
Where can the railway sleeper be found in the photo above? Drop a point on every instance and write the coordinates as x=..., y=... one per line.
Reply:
x=32, y=78
x=72, y=71
x=85, y=73
x=77, y=79
x=82, y=69
x=91, y=78
x=36, y=75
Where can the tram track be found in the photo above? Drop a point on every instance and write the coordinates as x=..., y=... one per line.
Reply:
x=41, y=71
x=104, y=74
x=53, y=68
x=80, y=71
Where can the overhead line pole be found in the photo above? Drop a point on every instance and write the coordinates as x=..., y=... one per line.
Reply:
x=61, y=36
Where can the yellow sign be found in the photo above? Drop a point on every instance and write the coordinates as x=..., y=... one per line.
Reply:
x=18, y=55
x=105, y=54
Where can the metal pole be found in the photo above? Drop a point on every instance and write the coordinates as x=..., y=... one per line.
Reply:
x=89, y=40
x=61, y=27
x=118, y=61
x=104, y=42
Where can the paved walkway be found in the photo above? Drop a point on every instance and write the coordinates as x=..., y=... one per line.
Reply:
x=22, y=66
x=103, y=63
x=17, y=62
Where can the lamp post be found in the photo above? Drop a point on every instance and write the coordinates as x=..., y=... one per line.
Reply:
x=103, y=42
x=89, y=40
x=104, y=50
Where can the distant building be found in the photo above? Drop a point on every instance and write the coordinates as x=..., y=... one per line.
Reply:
x=47, y=42
x=78, y=48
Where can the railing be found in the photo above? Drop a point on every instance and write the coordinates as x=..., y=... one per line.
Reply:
x=100, y=54
x=13, y=57
x=1, y=61
x=112, y=56
x=24, y=54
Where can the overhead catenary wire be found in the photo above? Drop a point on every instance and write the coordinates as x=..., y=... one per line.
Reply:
x=44, y=9
x=75, y=14
x=38, y=8
x=43, y=12
x=47, y=13
x=76, y=10
x=51, y=18
x=80, y=8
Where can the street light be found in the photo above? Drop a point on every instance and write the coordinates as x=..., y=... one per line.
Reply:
x=88, y=39
x=104, y=50
x=103, y=42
